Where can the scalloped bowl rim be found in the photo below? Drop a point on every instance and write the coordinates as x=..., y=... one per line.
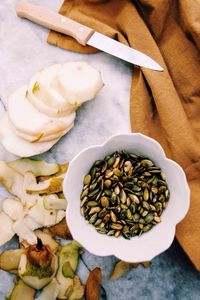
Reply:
x=150, y=244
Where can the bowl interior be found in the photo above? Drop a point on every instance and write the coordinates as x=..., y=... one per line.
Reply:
x=177, y=207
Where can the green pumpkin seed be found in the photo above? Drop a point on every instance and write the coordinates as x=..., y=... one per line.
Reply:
x=116, y=226
x=149, y=218
x=147, y=228
x=113, y=217
x=117, y=233
x=104, y=202
x=134, y=198
x=146, y=194
x=94, y=209
x=92, y=203
x=122, y=196
x=93, y=193
x=111, y=161
x=109, y=173
x=93, y=218
x=106, y=218
x=98, y=221
x=93, y=186
x=104, y=167
x=87, y=179
x=108, y=183
x=111, y=232
x=117, y=172
x=116, y=163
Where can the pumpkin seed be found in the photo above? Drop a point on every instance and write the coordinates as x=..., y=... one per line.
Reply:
x=116, y=226
x=87, y=179
x=111, y=161
x=127, y=166
x=124, y=194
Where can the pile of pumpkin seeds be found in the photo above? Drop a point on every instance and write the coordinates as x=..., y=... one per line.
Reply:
x=124, y=194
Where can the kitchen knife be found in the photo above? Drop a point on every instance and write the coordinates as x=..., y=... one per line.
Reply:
x=84, y=35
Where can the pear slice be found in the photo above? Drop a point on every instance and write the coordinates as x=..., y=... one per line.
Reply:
x=44, y=108
x=37, y=167
x=42, y=138
x=40, y=125
x=78, y=82
x=41, y=215
x=54, y=202
x=9, y=259
x=11, y=180
x=6, y=228
x=41, y=85
x=50, y=291
x=13, y=208
x=18, y=146
x=21, y=291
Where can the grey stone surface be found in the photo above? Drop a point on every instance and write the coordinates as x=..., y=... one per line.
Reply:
x=23, y=51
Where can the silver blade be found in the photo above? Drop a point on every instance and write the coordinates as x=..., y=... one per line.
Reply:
x=124, y=52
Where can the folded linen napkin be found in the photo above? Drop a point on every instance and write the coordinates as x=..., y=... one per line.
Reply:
x=165, y=106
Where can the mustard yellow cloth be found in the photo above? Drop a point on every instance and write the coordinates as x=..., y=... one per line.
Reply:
x=165, y=106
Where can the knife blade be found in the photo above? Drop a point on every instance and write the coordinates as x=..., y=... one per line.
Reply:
x=84, y=35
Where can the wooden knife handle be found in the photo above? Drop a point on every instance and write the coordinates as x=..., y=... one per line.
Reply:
x=54, y=21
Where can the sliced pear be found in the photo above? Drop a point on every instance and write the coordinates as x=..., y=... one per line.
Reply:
x=41, y=85
x=37, y=167
x=41, y=125
x=44, y=108
x=78, y=82
x=49, y=186
x=13, y=208
x=50, y=291
x=53, y=202
x=9, y=259
x=36, y=277
x=42, y=138
x=41, y=215
x=47, y=240
x=11, y=180
x=22, y=291
x=6, y=228
x=18, y=146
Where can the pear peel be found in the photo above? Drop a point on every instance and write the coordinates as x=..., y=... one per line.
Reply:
x=37, y=167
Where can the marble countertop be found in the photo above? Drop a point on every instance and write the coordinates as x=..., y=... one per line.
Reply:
x=24, y=51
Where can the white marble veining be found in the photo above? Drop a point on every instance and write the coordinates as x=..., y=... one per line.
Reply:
x=23, y=51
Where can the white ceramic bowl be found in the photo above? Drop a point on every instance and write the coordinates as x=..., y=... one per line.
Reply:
x=148, y=245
